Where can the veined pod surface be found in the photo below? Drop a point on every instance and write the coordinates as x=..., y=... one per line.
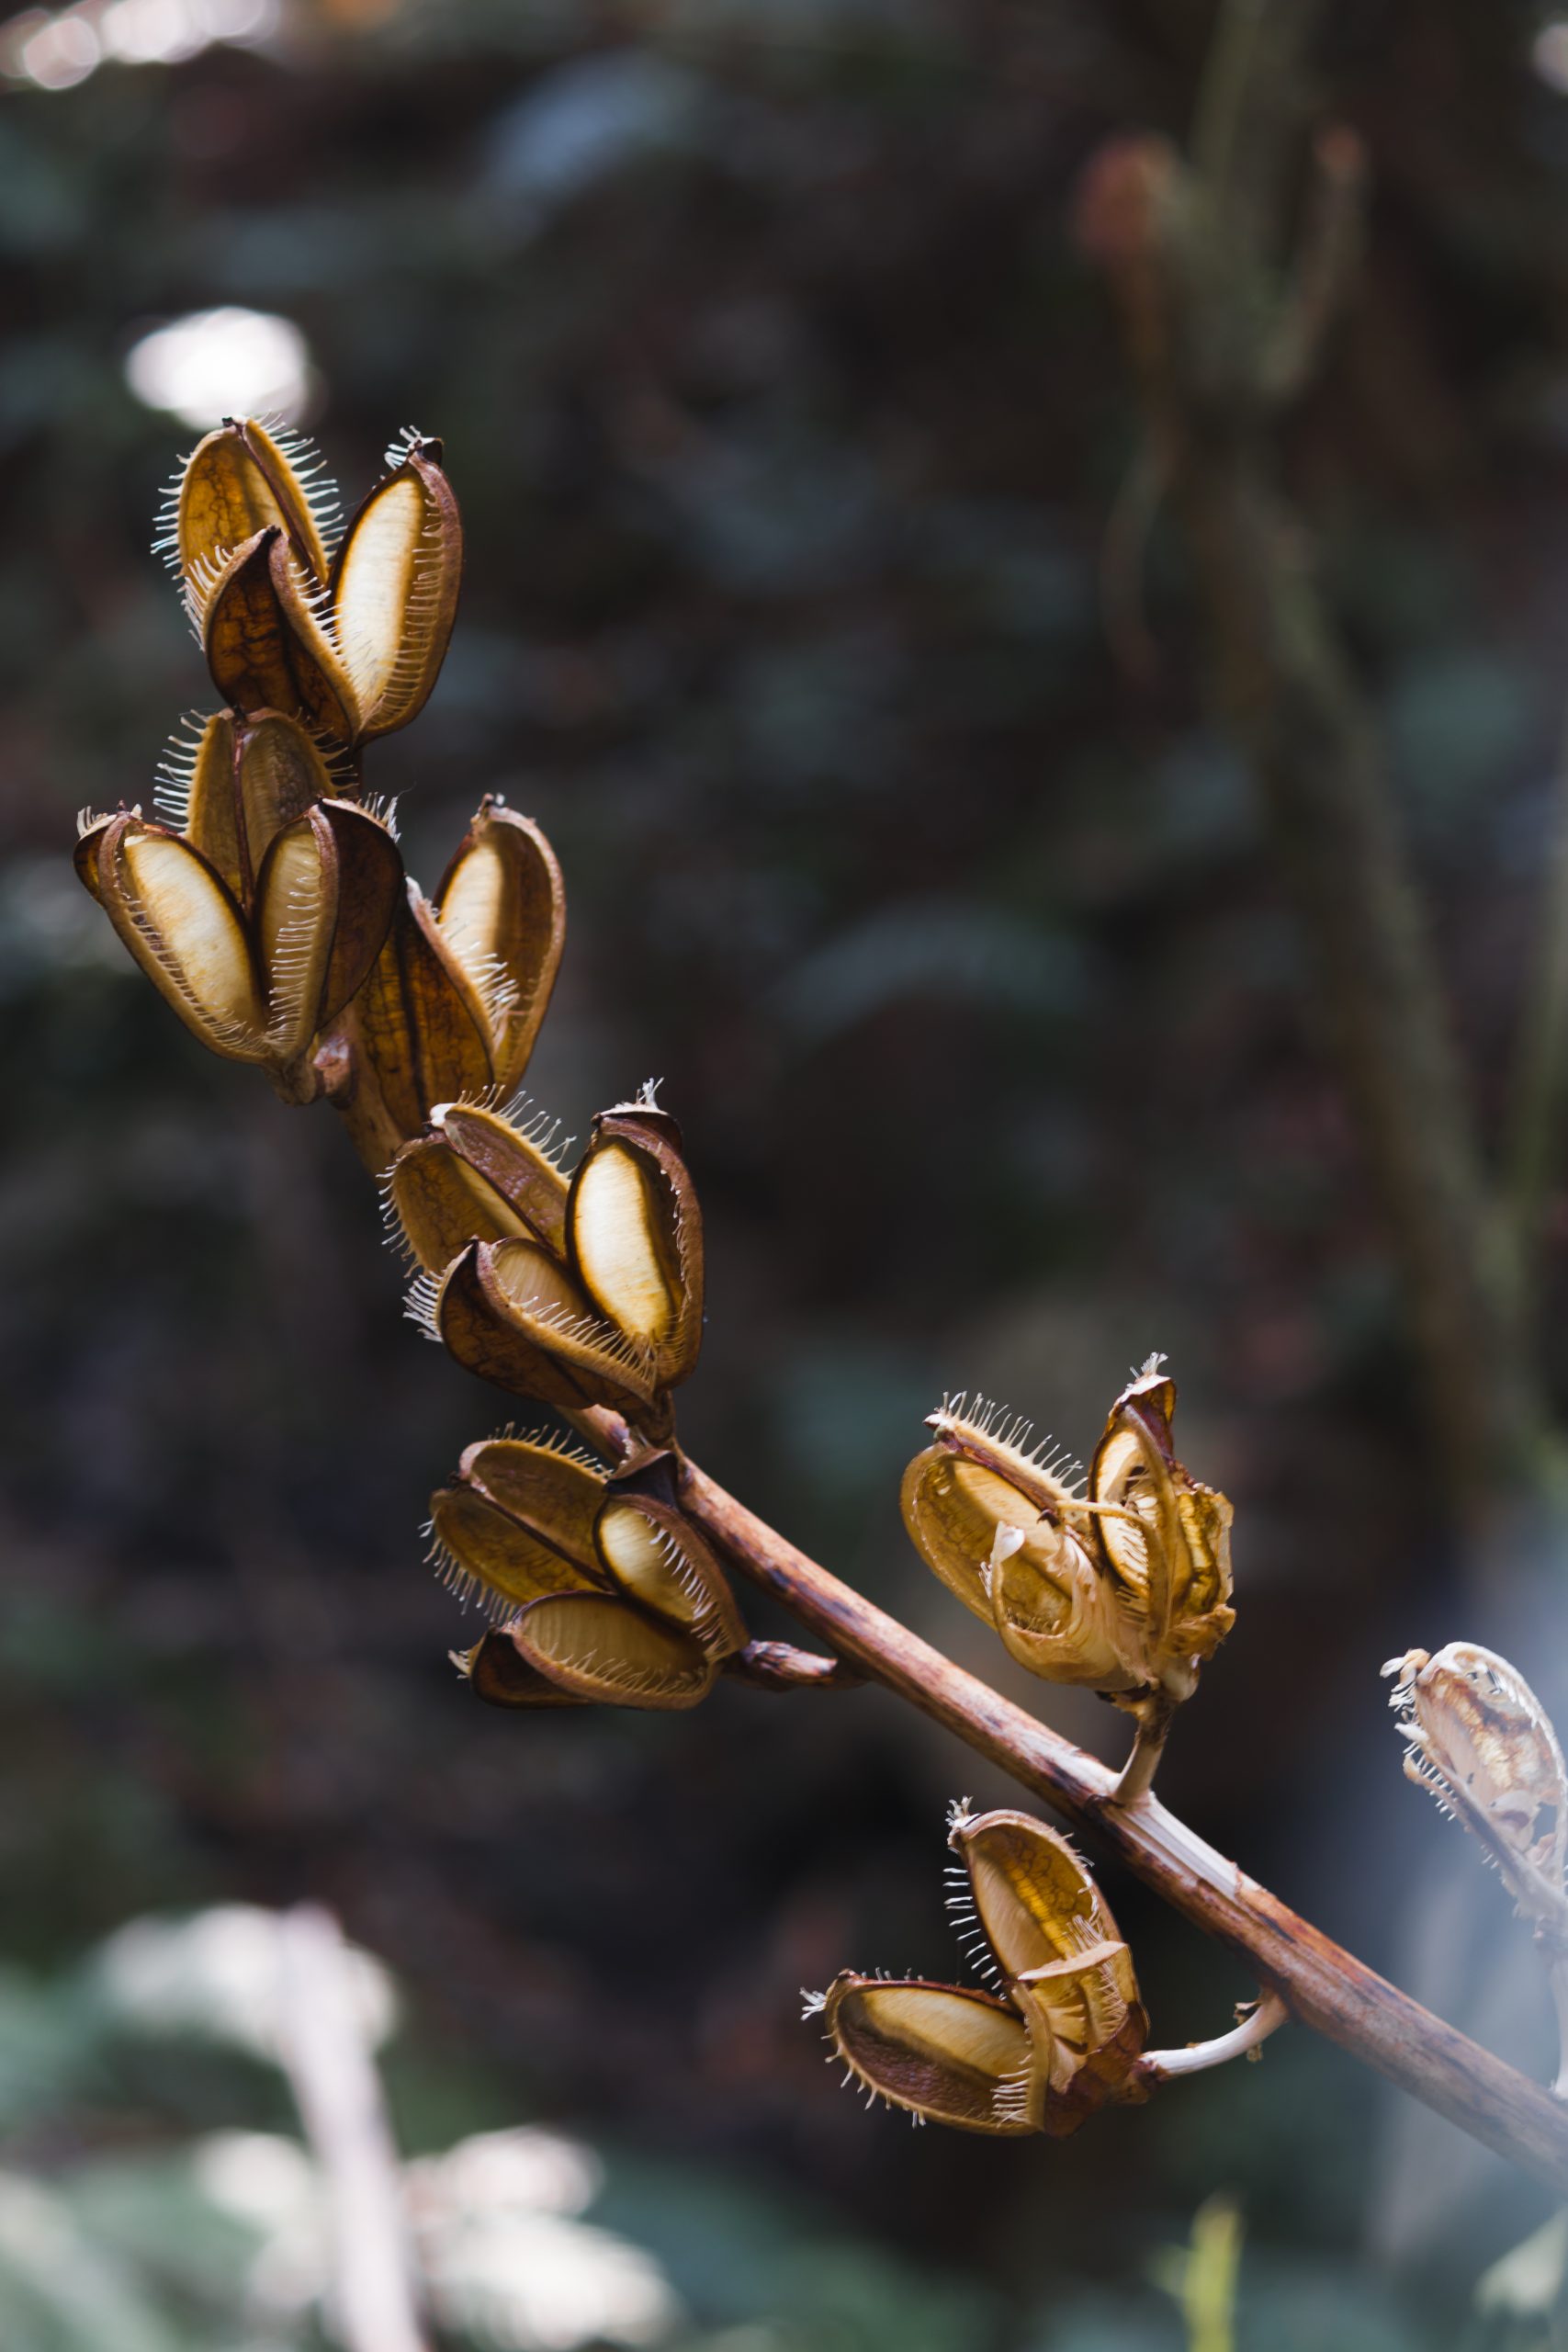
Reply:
x=635, y=1235
x=941, y=2051
x=266, y=645
x=242, y=479
x=394, y=588
x=413, y=1037
x=502, y=906
x=474, y=1177
x=510, y=1313
x=596, y=1645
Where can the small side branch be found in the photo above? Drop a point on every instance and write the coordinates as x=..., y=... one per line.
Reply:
x=1266, y=2016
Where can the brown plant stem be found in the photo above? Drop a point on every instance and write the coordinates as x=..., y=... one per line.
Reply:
x=1321, y=1985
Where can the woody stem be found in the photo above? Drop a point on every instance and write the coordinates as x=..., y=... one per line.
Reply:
x=1318, y=1982
x=1265, y=2018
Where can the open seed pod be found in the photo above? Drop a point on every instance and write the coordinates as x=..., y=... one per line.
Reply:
x=1123, y=1588
x=943, y=2053
x=394, y=588
x=656, y=1557
x=1480, y=1740
x=635, y=1235
x=413, y=1038
x=254, y=986
x=595, y=1645
x=472, y=1176
x=240, y=480
x=518, y=1522
x=1057, y=1947
x=1164, y=1537
x=511, y=1313
x=501, y=907
x=1065, y=2029
x=232, y=787
x=268, y=645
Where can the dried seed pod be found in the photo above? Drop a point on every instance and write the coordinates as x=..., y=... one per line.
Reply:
x=266, y=645
x=474, y=1177
x=394, y=588
x=413, y=1037
x=1477, y=1736
x=1164, y=1537
x=233, y=791
x=241, y=480
x=1123, y=1590
x=656, y=1555
x=255, y=990
x=595, y=1645
x=497, y=1672
x=518, y=1520
x=1058, y=1945
x=942, y=2052
x=512, y=1314
x=636, y=1234
x=184, y=928
x=502, y=912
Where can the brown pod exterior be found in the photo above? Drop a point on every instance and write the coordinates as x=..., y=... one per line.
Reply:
x=413, y=1037
x=394, y=590
x=497, y=1672
x=635, y=1233
x=482, y=1328
x=502, y=908
x=236, y=483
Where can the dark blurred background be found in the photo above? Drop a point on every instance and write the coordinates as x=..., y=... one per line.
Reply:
x=786, y=419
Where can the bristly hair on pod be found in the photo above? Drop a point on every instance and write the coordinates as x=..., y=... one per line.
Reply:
x=175, y=771
x=167, y=516
x=568, y=1448
x=309, y=468
x=403, y=445
x=812, y=2004
x=539, y=1128
x=420, y=1304
x=1007, y=1437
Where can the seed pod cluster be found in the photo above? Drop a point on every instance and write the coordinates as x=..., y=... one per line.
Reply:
x=1063, y=2030
x=1120, y=1583
x=1480, y=1740
x=576, y=1293
x=603, y=1593
x=265, y=898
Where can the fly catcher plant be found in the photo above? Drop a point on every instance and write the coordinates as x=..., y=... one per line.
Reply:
x=265, y=900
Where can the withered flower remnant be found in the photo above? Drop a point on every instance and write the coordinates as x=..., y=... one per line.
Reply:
x=1478, y=1738
x=1120, y=1583
x=1063, y=2030
x=533, y=1525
